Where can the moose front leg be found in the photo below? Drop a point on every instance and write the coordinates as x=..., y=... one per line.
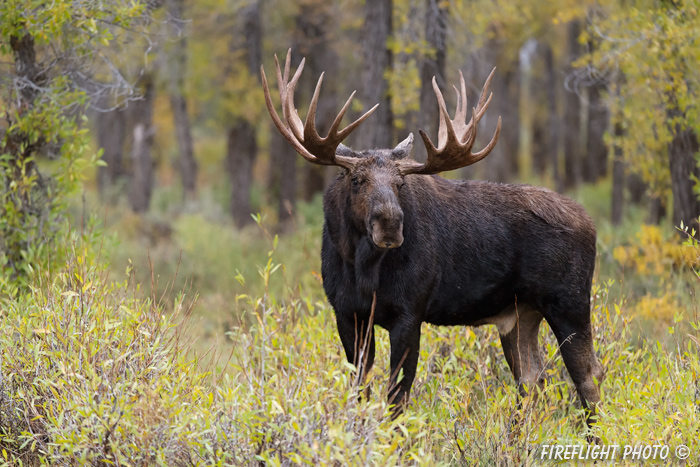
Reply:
x=358, y=341
x=404, y=338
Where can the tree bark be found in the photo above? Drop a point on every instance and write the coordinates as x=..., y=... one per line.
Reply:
x=141, y=186
x=435, y=36
x=618, y=182
x=282, y=183
x=657, y=210
x=178, y=102
x=554, y=133
x=241, y=152
x=242, y=146
x=502, y=164
x=684, y=173
x=111, y=133
x=377, y=58
x=313, y=40
x=572, y=113
x=598, y=121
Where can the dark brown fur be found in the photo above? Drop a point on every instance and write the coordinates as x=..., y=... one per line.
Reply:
x=461, y=252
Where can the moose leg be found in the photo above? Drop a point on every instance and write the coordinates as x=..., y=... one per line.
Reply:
x=358, y=341
x=574, y=335
x=405, y=346
x=521, y=349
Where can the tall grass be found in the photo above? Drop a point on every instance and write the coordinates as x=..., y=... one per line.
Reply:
x=101, y=372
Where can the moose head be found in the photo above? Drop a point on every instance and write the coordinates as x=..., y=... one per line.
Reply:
x=375, y=177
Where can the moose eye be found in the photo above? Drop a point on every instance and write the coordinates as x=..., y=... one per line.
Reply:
x=355, y=181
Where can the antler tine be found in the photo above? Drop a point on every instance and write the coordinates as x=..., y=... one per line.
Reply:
x=310, y=124
x=290, y=111
x=304, y=136
x=485, y=152
x=461, y=113
x=455, y=137
x=446, y=131
x=336, y=123
x=283, y=129
x=350, y=128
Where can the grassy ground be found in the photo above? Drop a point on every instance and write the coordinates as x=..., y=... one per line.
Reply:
x=99, y=370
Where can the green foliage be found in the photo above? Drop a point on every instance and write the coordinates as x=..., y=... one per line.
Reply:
x=95, y=372
x=44, y=47
x=650, y=50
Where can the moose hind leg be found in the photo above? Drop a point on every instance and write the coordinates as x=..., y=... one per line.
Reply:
x=573, y=332
x=521, y=349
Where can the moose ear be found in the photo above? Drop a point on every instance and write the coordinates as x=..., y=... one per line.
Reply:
x=403, y=149
x=343, y=150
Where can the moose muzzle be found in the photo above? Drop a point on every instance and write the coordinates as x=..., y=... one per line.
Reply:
x=386, y=227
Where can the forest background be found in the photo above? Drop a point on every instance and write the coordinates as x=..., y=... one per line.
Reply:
x=159, y=240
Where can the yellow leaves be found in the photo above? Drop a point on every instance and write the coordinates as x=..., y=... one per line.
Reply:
x=661, y=308
x=651, y=254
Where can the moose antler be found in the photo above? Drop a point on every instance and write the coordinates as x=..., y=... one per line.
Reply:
x=455, y=137
x=304, y=138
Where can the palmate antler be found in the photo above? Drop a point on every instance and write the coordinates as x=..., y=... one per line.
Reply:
x=455, y=137
x=304, y=138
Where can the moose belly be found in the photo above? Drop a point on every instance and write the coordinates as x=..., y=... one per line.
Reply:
x=473, y=308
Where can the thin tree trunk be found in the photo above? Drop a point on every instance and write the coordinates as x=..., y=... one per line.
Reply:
x=313, y=40
x=241, y=152
x=684, y=168
x=657, y=210
x=598, y=121
x=141, y=186
x=502, y=164
x=111, y=133
x=554, y=138
x=435, y=36
x=618, y=182
x=282, y=182
x=572, y=113
x=178, y=103
x=636, y=188
x=242, y=146
x=377, y=59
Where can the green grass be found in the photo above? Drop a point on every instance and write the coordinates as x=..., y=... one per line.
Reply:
x=100, y=373
x=172, y=339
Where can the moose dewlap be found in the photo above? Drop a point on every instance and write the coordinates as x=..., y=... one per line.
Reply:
x=446, y=252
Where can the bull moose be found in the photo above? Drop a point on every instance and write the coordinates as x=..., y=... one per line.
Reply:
x=403, y=246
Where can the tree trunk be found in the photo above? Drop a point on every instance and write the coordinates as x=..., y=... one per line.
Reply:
x=657, y=210
x=315, y=25
x=377, y=58
x=111, y=133
x=435, y=36
x=241, y=152
x=572, y=113
x=502, y=164
x=282, y=179
x=636, y=188
x=141, y=186
x=242, y=147
x=553, y=135
x=178, y=102
x=684, y=168
x=598, y=121
x=618, y=182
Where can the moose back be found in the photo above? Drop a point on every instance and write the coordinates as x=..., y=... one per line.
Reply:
x=446, y=252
